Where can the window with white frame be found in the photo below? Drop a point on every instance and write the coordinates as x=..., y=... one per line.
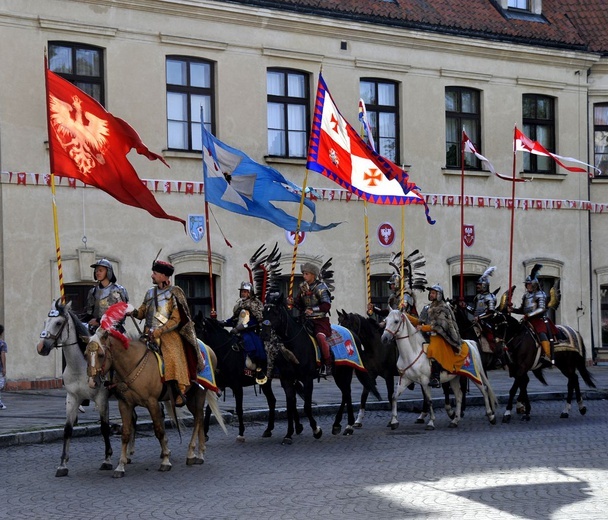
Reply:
x=288, y=113
x=189, y=88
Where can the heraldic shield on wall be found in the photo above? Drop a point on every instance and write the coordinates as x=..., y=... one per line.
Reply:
x=468, y=234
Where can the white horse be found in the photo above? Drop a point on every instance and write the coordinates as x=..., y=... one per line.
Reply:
x=414, y=366
x=62, y=329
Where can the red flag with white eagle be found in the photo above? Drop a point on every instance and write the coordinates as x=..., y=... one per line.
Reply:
x=89, y=144
x=338, y=152
x=524, y=144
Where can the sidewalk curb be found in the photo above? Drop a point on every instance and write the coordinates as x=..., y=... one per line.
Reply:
x=48, y=435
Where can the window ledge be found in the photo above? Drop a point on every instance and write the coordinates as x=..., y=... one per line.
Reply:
x=178, y=154
x=468, y=173
x=543, y=176
x=602, y=179
x=271, y=159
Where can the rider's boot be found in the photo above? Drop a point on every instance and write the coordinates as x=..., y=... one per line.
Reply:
x=546, y=357
x=325, y=353
x=435, y=380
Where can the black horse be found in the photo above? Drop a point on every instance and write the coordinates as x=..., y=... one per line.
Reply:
x=379, y=360
x=524, y=354
x=296, y=338
x=231, y=372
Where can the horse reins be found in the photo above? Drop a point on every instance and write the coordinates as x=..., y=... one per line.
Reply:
x=393, y=333
x=54, y=337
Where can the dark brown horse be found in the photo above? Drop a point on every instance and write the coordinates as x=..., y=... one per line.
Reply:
x=524, y=352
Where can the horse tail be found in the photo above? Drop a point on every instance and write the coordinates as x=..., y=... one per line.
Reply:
x=368, y=383
x=538, y=373
x=215, y=408
x=582, y=365
x=474, y=350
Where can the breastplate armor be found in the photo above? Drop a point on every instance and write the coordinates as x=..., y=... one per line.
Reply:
x=313, y=296
x=534, y=301
x=106, y=297
x=159, y=311
x=484, y=303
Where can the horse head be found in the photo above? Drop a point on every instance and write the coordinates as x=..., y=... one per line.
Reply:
x=56, y=328
x=99, y=358
x=274, y=309
x=394, y=324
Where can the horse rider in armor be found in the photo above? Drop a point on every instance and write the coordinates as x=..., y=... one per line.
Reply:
x=169, y=325
x=314, y=302
x=534, y=308
x=444, y=338
x=103, y=294
x=246, y=320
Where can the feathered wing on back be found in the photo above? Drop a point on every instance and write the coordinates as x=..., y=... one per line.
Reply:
x=326, y=275
x=265, y=271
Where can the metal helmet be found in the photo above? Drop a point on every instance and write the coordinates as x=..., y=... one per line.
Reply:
x=439, y=290
x=107, y=264
x=246, y=286
x=532, y=278
x=395, y=279
x=484, y=280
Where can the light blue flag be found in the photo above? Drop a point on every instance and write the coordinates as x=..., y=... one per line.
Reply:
x=236, y=183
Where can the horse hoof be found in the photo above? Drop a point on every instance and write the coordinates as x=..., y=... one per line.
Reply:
x=493, y=421
x=190, y=461
x=451, y=415
x=118, y=474
x=240, y=438
x=335, y=430
x=348, y=430
x=564, y=415
x=317, y=434
x=299, y=429
x=453, y=425
x=419, y=421
x=358, y=425
x=583, y=410
x=394, y=425
x=431, y=428
x=206, y=438
x=128, y=460
x=105, y=466
x=525, y=417
x=62, y=472
x=287, y=441
x=267, y=433
x=165, y=467
x=506, y=419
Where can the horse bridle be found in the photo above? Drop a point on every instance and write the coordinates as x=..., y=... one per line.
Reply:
x=393, y=333
x=46, y=335
x=94, y=347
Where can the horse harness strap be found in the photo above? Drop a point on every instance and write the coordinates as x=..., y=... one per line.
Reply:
x=401, y=372
x=141, y=364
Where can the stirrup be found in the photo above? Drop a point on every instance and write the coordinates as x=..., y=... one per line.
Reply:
x=260, y=377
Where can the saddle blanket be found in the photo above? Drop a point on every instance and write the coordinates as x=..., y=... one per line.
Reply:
x=344, y=348
x=206, y=378
x=470, y=368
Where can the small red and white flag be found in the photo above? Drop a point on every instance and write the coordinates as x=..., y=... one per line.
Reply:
x=524, y=144
x=470, y=147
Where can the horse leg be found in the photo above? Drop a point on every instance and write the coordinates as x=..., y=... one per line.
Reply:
x=456, y=389
x=525, y=398
x=71, y=414
x=290, y=400
x=207, y=422
x=464, y=387
x=126, y=414
x=390, y=389
x=238, y=397
x=131, y=446
x=317, y=432
x=343, y=379
x=403, y=384
x=446, y=399
x=430, y=425
x=421, y=419
x=272, y=403
x=336, y=427
x=196, y=447
x=104, y=417
x=361, y=412
x=506, y=418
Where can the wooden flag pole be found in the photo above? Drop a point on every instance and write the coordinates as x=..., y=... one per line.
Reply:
x=52, y=167
x=368, y=276
x=296, y=239
x=461, y=292
x=510, y=288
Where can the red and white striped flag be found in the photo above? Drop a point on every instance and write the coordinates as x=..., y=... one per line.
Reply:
x=470, y=147
x=524, y=144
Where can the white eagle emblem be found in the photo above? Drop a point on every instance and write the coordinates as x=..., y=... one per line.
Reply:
x=334, y=157
x=81, y=134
